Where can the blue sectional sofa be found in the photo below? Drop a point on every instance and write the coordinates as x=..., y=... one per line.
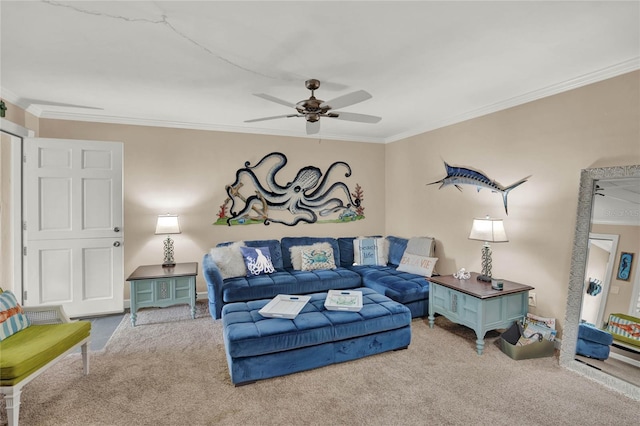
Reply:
x=409, y=289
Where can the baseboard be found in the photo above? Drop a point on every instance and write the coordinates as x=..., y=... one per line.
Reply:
x=199, y=296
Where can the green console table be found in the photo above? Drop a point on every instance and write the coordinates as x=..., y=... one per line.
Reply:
x=476, y=305
x=155, y=286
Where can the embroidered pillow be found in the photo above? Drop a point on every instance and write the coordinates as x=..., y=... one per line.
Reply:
x=257, y=260
x=317, y=258
x=12, y=317
x=370, y=251
x=296, y=253
x=229, y=260
x=419, y=265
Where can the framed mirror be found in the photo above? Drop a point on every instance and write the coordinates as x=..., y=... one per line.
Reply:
x=591, y=183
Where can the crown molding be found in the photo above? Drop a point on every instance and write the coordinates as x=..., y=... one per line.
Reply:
x=137, y=121
x=574, y=83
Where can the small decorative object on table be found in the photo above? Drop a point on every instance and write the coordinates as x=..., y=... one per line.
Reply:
x=462, y=274
x=496, y=284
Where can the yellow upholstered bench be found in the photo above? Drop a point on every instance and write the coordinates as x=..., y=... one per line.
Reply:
x=29, y=352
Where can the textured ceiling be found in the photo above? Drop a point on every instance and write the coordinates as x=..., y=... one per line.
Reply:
x=198, y=64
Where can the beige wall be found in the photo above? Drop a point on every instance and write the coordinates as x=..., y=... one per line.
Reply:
x=185, y=172
x=628, y=242
x=551, y=139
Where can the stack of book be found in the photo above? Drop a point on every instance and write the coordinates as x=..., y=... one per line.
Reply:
x=537, y=329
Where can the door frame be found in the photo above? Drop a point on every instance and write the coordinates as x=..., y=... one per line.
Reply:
x=17, y=133
x=608, y=273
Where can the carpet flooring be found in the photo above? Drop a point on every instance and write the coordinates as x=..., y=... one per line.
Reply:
x=172, y=370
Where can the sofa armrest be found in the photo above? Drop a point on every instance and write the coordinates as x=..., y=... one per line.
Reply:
x=214, y=285
x=53, y=314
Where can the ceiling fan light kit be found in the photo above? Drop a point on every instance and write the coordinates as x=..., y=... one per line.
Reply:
x=313, y=109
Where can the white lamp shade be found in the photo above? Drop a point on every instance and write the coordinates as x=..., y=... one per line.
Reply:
x=487, y=229
x=168, y=224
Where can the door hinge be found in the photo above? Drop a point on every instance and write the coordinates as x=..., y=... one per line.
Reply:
x=24, y=295
x=24, y=251
x=24, y=158
x=24, y=225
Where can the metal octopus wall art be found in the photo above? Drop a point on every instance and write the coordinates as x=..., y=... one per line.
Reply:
x=310, y=196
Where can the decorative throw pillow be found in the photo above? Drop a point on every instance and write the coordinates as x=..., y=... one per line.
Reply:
x=370, y=251
x=419, y=265
x=317, y=258
x=422, y=246
x=12, y=317
x=229, y=260
x=296, y=253
x=257, y=260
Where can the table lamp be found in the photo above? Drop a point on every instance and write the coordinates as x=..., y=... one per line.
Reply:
x=168, y=224
x=487, y=230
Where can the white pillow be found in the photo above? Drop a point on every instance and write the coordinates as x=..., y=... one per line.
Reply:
x=370, y=251
x=317, y=258
x=422, y=246
x=419, y=265
x=296, y=253
x=229, y=260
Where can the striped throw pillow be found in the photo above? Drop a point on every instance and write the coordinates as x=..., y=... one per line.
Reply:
x=370, y=251
x=12, y=317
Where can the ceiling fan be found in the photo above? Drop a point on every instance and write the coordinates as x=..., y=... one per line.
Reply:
x=313, y=109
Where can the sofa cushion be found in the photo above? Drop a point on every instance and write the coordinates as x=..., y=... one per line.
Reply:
x=247, y=333
x=35, y=346
x=288, y=282
x=12, y=317
x=346, y=251
x=397, y=246
x=400, y=286
x=288, y=242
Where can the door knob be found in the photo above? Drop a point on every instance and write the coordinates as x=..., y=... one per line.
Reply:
x=116, y=229
x=116, y=244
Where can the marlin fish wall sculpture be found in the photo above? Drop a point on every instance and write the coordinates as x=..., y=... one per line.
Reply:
x=457, y=176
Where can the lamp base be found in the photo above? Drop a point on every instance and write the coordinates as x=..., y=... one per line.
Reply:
x=485, y=278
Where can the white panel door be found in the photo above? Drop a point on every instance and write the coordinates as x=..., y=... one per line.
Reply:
x=73, y=228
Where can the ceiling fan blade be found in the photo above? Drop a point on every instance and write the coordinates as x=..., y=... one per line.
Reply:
x=347, y=100
x=313, y=127
x=352, y=116
x=274, y=99
x=272, y=118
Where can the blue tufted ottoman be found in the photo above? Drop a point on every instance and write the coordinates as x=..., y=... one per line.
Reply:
x=260, y=348
x=593, y=342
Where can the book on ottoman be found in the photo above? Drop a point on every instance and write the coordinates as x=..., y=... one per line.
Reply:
x=343, y=300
